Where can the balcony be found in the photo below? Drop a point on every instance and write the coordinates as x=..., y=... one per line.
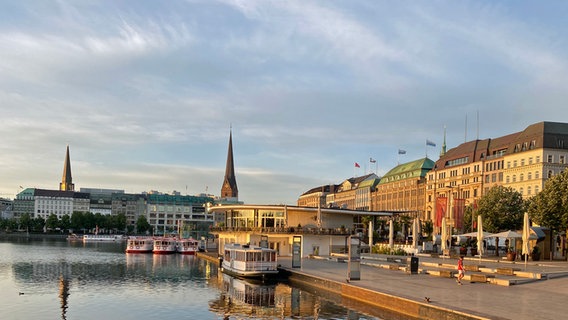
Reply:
x=287, y=230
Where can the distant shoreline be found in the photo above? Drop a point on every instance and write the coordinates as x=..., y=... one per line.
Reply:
x=33, y=236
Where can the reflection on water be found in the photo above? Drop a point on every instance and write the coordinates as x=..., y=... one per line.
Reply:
x=60, y=280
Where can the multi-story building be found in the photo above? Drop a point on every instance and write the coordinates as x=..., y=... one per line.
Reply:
x=101, y=200
x=168, y=212
x=6, y=211
x=403, y=188
x=347, y=197
x=131, y=205
x=60, y=203
x=24, y=203
x=316, y=197
x=522, y=160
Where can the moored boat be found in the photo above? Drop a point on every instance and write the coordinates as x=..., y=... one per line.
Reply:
x=164, y=245
x=139, y=245
x=103, y=237
x=249, y=261
x=187, y=246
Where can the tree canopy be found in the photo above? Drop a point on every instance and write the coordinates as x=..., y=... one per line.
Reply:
x=549, y=208
x=502, y=208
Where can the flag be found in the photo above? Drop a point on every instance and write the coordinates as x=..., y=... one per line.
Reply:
x=400, y=151
x=430, y=143
x=371, y=160
x=357, y=165
x=441, y=205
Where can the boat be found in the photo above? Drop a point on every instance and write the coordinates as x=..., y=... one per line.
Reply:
x=249, y=261
x=164, y=245
x=139, y=245
x=74, y=237
x=103, y=237
x=187, y=246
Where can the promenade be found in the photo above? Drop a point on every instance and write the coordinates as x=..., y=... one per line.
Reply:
x=519, y=296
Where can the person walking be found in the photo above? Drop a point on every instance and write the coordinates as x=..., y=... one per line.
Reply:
x=461, y=271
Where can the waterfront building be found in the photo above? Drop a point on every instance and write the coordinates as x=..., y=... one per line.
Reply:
x=347, y=196
x=131, y=205
x=166, y=212
x=6, y=206
x=101, y=200
x=24, y=203
x=60, y=203
x=522, y=161
x=403, y=188
x=316, y=197
x=322, y=230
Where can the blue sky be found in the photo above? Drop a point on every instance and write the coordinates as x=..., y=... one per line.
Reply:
x=144, y=92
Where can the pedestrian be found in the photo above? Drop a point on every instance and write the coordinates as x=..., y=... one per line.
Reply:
x=461, y=271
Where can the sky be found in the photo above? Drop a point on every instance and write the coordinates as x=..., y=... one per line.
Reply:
x=146, y=93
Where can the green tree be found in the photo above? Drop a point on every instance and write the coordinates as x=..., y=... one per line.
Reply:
x=65, y=222
x=77, y=220
x=38, y=223
x=52, y=222
x=549, y=208
x=120, y=221
x=502, y=208
x=142, y=224
x=25, y=221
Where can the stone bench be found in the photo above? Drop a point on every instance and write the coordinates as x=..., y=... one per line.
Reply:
x=505, y=271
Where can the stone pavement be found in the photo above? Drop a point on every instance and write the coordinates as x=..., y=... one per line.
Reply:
x=535, y=299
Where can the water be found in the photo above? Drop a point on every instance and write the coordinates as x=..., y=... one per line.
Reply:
x=48, y=279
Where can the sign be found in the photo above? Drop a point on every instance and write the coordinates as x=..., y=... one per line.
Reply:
x=297, y=252
x=354, y=258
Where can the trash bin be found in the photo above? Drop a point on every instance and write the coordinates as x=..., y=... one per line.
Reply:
x=413, y=264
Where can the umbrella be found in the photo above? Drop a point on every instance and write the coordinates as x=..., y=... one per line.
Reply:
x=526, y=236
x=473, y=234
x=414, y=237
x=480, y=236
x=444, y=235
x=506, y=234
x=391, y=234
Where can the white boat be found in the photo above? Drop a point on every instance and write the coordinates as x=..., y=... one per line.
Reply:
x=187, y=246
x=103, y=237
x=164, y=245
x=139, y=245
x=249, y=261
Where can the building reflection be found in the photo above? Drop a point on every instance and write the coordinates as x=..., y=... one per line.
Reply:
x=63, y=295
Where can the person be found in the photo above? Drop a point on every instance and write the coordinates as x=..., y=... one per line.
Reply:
x=461, y=271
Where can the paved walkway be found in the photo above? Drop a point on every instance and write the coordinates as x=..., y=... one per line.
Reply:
x=542, y=299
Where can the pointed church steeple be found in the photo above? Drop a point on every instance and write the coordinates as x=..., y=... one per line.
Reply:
x=443, y=151
x=67, y=181
x=229, y=189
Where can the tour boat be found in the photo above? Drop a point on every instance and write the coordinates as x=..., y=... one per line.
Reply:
x=187, y=246
x=139, y=245
x=102, y=237
x=164, y=245
x=249, y=261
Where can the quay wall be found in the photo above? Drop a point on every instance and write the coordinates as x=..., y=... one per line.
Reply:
x=414, y=309
x=209, y=256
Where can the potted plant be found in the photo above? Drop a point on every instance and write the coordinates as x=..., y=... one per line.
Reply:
x=535, y=253
x=511, y=254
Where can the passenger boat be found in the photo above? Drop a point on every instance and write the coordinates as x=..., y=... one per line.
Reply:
x=249, y=261
x=164, y=245
x=74, y=237
x=187, y=246
x=103, y=237
x=139, y=245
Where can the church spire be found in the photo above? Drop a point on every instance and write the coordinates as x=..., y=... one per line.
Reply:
x=229, y=188
x=443, y=151
x=67, y=181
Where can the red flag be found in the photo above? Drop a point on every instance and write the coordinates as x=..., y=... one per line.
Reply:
x=357, y=165
x=458, y=208
x=441, y=204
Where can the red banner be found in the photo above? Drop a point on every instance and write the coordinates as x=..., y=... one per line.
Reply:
x=458, y=211
x=441, y=205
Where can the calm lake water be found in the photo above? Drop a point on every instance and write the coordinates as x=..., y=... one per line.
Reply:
x=55, y=279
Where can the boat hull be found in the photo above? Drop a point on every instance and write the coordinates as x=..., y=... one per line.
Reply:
x=250, y=274
x=137, y=245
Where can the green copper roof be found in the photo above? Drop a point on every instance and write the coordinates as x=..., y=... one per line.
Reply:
x=414, y=169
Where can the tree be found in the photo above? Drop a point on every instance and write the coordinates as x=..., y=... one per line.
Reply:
x=120, y=221
x=65, y=222
x=25, y=221
x=52, y=222
x=549, y=208
x=142, y=224
x=77, y=220
x=38, y=223
x=502, y=208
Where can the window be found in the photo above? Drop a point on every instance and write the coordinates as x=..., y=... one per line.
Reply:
x=550, y=174
x=514, y=178
x=529, y=190
x=508, y=164
x=537, y=159
x=536, y=176
x=521, y=190
x=521, y=177
x=530, y=160
x=522, y=162
x=514, y=163
x=535, y=189
x=561, y=159
x=529, y=176
x=549, y=158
